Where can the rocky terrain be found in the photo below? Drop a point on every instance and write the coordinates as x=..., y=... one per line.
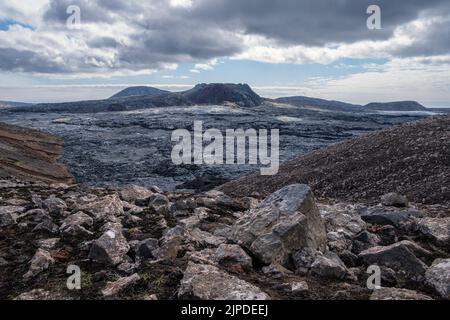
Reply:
x=139, y=243
x=31, y=155
x=122, y=147
x=411, y=159
x=331, y=220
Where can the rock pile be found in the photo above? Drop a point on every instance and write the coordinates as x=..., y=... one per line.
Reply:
x=142, y=243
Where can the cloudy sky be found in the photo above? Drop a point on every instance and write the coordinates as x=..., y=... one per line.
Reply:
x=286, y=47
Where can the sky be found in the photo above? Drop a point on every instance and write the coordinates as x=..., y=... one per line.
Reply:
x=315, y=48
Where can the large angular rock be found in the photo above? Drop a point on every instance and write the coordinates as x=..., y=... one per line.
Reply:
x=9, y=215
x=285, y=222
x=107, y=208
x=41, y=261
x=398, y=294
x=400, y=257
x=436, y=229
x=147, y=249
x=54, y=205
x=133, y=193
x=438, y=277
x=231, y=255
x=159, y=203
x=343, y=224
x=171, y=243
x=207, y=282
x=110, y=248
x=47, y=226
x=76, y=225
x=329, y=265
x=204, y=239
x=394, y=200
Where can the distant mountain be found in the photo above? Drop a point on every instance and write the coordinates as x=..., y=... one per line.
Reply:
x=138, y=91
x=202, y=94
x=301, y=101
x=396, y=106
x=219, y=93
x=207, y=94
x=333, y=105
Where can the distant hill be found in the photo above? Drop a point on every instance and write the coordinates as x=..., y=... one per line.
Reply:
x=333, y=105
x=411, y=159
x=396, y=106
x=202, y=94
x=219, y=93
x=301, y=101
x=207, y=94
x=138, y=91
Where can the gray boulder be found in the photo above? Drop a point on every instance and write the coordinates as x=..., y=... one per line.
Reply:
x=343, y=224
x=41, y=261
x=147, y=249
x=438, y=277
x=285, y=222
x=107, y=208
x=76, y=225
x=207, y=282
x=329, y=265
x=400, y=257
x=159, y=203
x=9, y=215
x=47, y=226
x=110, y=248
x=133, y=193
x=54, y=205
x=231, y=254
x=436, y=229
x=394, y=200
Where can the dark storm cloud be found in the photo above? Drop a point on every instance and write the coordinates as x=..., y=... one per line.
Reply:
x=313, y=22
x=160, y=34
x=434, y=40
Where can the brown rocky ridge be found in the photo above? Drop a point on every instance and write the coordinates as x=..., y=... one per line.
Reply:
x=31, y=155
x=412, y=159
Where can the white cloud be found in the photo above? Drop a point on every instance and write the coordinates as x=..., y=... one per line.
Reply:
x=24, y=11
x=413, y=79
x=181, y=3
x=263, y=49
x=208, y=66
